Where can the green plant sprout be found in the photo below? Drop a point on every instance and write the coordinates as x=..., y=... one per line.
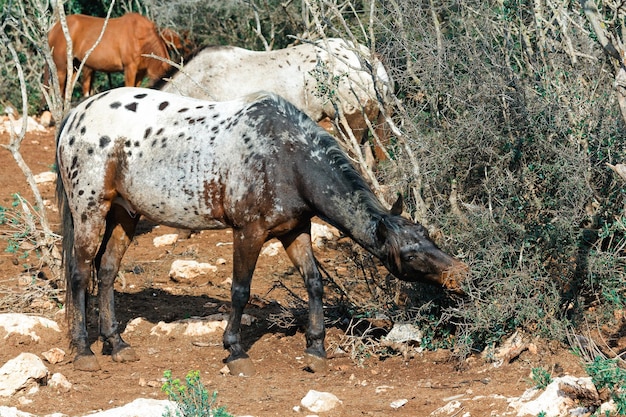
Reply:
x=192, y=398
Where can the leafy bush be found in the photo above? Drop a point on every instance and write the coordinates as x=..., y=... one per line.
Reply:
x=192, y=398
x=605, y=373
x=513, y=157
x=541, y=378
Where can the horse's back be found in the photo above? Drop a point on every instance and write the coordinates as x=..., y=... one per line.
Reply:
x=180, y=161
x=296, y=73
x=227, y=72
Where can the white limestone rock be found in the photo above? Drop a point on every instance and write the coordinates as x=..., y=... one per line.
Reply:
x=22, y=372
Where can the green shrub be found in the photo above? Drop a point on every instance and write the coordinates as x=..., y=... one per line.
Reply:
x=192, y=398
x=605, y=373
x=541, y=378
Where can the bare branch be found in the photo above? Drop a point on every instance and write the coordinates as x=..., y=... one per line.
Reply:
x=591, y=11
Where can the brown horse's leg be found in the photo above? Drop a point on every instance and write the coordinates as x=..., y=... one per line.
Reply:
x=139, y=76
x=120, y=229
x=130, y=75
x=87, y=80
x=383, y=133
x=247, y=244
x=298, y=247
x=62, y=75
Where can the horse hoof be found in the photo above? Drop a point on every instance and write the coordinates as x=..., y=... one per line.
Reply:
x=241, y=367
x=87, y=363
x=315, y=363
x=126, y=354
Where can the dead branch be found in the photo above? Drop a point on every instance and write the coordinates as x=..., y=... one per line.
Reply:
x=45, y=240
x=593, y=15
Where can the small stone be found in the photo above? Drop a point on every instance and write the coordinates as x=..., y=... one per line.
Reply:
x=44, y=177
x=186, y=270
x=54, y=355
x=22, y=372
x=398, y=403
x=383, y=388
x=24, y=280
x=60, y=383
x=165, y=240
x=319, y=402
x=272, y=249
x=46, y=119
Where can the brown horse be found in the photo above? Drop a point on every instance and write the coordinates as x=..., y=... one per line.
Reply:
x=256, y=164
x=123, y=43
x=179, y=43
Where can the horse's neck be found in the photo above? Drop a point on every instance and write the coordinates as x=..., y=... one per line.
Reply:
x=342, y=198
x=354, y=215
x=155, y=67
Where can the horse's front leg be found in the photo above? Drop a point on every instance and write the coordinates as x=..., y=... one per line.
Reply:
x=130, y=75
x=298, y=247
x=120, y=228
x=87, y=81
x=247, y=244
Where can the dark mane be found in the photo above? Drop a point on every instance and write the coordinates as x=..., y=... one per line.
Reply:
x=336, y=157
x=340, y=160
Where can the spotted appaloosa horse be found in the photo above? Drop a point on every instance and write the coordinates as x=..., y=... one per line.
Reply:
x=315, y=77
x=123, y=43
x=256, y=164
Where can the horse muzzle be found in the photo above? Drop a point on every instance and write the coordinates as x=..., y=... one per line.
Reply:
x=453, y=277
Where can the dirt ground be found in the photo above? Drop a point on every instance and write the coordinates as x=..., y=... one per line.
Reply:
x=367, y=388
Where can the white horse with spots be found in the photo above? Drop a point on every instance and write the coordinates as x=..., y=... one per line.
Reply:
x=323, y=79
x=257, y=165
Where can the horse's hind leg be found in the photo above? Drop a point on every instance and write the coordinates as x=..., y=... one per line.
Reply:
x=79, y=276
x=120, y=229
x=298, y=247
x=247, y=245
x=80, y=245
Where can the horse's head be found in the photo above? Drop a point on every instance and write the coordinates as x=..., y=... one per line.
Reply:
x=413, y=256
x=179, y=43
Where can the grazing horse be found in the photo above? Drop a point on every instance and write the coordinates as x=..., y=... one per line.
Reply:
x=315, y=77
x=178, y=42
x=123, y=43
x=255, y=164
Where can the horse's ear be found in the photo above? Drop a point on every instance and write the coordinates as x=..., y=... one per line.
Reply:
x=396, y=209
x=381, y=232
x=393, y=253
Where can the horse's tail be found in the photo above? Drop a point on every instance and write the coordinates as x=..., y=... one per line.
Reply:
x=67, y=229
